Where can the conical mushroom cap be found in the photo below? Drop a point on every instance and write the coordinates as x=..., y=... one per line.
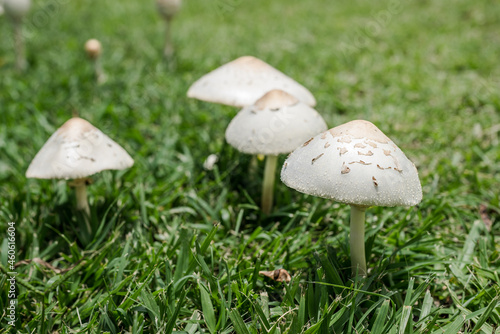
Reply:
x=168, y=8
x=354, y=163
x=77, y=149
x=277, y=123
x=17, y=9
x=241, y=82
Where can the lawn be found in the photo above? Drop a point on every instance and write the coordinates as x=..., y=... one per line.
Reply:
x=176, y=247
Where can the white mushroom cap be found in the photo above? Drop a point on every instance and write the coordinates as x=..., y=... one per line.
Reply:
x=76, y=150
x=93, y=48
x=276, y=123
x=17, y=9
x=244, y=80
x=168, y=8
x=354, y=163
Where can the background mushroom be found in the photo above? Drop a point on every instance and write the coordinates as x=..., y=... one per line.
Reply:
x=241, y=82
x=356, y=164
x=75, y=151
x=93, y=49
x=168, y=9
x=16, y=10
x=277, y=123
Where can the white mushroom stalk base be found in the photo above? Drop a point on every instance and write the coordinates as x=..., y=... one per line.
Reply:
x=81, y=200
x=357, y=240
x=268, y=183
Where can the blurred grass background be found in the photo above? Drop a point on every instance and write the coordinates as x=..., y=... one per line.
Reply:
x=425, y=72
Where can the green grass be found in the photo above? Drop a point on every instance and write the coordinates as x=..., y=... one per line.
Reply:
x=178, y=247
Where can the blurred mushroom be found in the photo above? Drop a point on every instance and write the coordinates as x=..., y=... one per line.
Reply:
x=241, y=82
x=277, y=123
x=168, y=9
x=16, y=10
x=356, y=164
x=93, y=49
x=75, y=151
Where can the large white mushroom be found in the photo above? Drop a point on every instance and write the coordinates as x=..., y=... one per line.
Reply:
x=277, y=123
x=16, y=10
x=168, y=9
x=356, y=164
x=75, y=151
x=241, y=82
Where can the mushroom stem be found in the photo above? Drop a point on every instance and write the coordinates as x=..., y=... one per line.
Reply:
x=357, y=240
x=99, y=73
x=268, y=183
x=81, y=200
x=169, y=47
x=19, y=44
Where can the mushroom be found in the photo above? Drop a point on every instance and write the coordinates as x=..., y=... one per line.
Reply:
x=277, y=123
x=75, y=151
x=168, y=9
x=93, y=49
x=356, y=164
x=241, y=82
x=16, y=10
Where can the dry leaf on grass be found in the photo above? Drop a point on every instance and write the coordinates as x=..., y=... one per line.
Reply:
x=278, y=275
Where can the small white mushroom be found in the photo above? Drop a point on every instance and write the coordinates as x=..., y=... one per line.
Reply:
x=384, y=177
x=241, y=82
x=277, y=123
x=93, y=48
x=16, y=10
x=168, y=9
x=75, y=151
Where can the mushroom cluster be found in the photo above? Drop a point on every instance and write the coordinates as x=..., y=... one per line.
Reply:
x=277, y=113
x=276, y=123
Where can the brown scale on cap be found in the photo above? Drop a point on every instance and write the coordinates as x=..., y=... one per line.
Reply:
x=251, y=63
x=345, y=169
x=369, y=153
x=360, y=162
x=275, y=100
x=307, y=142
x=314, y=159
x=363, y=129
x=344, y=139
